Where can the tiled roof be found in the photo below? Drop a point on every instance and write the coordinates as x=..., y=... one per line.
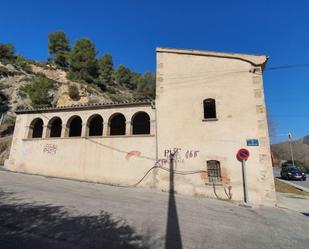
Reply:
x=88, y=106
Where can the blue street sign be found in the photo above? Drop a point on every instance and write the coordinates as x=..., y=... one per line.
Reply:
x=252, y=142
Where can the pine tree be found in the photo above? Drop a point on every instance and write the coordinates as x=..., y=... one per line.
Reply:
x=123, y=76
x=59, y=48
x=105, y=69
x=83, y=63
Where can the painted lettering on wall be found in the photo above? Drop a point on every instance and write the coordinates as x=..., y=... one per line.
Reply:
x=179, y=155
x=133, y=153
x=191, y=154
x=50, y=149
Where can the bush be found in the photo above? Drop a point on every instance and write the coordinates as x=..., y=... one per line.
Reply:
x=7, y=52
x=38, y=91
x=111, y=90
x=22, y=63
x=74, y=92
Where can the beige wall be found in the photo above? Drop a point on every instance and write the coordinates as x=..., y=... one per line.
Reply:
x=110, y=159
x=183, y=82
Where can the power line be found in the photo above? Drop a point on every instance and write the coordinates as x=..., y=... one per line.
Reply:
x=287, y=66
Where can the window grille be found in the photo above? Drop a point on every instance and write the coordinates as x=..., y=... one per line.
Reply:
x=214, y=171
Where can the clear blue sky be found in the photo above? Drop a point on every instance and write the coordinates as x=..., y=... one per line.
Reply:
x=130, y=30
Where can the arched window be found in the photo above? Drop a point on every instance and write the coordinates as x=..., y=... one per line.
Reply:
x=141, y=123
x=117, y=124
x=95, y=125
x=55, y=127
x=209, y=108
x=75, y=126
x=36, y=128
x=214, y=171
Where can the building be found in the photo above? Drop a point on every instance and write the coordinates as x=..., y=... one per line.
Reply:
x=208, y=105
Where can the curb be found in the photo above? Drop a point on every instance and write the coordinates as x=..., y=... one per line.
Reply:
x=294, y=185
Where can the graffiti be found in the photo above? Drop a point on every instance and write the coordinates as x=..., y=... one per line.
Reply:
x=133, y=153
x=191, y=153
x=178, y=157
x=50, y=149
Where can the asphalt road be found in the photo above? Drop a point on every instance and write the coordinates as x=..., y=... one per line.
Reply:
x=305, y=184
x=41, y=212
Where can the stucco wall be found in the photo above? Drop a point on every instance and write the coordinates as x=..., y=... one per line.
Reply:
x=183, y=82
x=110, y=159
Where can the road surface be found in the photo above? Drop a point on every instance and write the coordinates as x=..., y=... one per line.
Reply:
x=41, y=212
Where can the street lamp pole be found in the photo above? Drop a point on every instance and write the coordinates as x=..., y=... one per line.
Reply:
x=291, y=149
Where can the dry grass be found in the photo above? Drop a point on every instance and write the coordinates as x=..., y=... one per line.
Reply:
x=286, y=188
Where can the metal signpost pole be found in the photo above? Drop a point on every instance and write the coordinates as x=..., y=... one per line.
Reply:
x=244, y=178
x=243, y=155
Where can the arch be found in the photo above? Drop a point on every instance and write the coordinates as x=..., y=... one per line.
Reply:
x=140, y=123
x=74, y=126
x=95, y=125
x=55, y=127
x=214, y=171
x=209, y=106
x=36, y=128
x=117, y=124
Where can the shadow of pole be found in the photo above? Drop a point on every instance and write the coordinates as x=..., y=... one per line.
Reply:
x=173, y=236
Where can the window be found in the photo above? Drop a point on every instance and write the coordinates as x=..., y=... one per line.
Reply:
x=117, y=124
x=95, y=125
x=55, y=127
x=141, y=123
x=209, y=109
x=214, y=171
x=75, y=126
x=36, y=128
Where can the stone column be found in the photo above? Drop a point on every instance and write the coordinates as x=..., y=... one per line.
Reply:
x=105, y=129
x=45, y=130
x=84, y=130
x=63, y=130
x=128, y=128
x=152, y=127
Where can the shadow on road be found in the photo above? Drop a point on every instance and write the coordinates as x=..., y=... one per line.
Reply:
x=42, y=226
x=173, y=235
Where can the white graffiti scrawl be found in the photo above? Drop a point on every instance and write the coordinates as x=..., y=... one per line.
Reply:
x=50, y=149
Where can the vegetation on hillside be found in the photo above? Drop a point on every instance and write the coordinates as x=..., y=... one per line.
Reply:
x=39, y=91
x=82, y=65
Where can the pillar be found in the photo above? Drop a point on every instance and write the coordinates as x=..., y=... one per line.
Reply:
x=45, y=131
x=105, y=129
x=128, y=128
x=63, y=130
x=152, y=127
x=84, y=130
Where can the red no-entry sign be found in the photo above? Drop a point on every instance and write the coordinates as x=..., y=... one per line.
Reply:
x=243, y=154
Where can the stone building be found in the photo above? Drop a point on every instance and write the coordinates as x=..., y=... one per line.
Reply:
x=207, y=106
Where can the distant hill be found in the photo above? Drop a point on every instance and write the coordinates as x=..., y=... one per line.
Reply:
x=281, y=151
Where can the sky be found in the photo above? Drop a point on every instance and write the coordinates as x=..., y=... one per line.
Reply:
x=131, y=30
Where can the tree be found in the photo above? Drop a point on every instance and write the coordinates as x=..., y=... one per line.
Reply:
x=7, y=52
x=105, y=69
x=150, y=82
x=38, y=91
x=123, y=76
x=59, y=48
x=83, y=63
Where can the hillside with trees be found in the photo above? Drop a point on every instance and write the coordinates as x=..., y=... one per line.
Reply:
x=70, y=75
x=300, y=147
